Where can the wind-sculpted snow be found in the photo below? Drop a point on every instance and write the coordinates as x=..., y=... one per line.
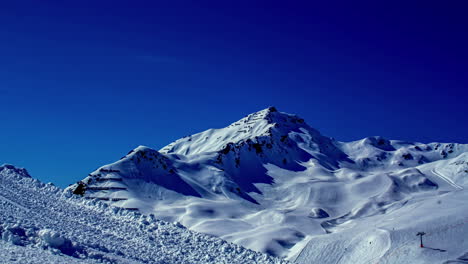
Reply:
x=39, y=223
x=272, y=183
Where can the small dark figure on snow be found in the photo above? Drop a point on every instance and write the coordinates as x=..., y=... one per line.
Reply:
x=421, y=234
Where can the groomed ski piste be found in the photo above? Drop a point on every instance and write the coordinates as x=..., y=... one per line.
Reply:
x=391, y=238
x=39, y=223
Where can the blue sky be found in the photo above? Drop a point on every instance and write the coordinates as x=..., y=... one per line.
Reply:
x=83, y=83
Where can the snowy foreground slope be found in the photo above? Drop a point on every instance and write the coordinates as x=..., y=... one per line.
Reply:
x=272, y=183
x=39, y=223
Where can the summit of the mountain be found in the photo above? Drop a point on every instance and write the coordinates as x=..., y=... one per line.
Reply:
x=265, y=123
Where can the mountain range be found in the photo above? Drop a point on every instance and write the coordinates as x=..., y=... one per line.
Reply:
x=273, y=184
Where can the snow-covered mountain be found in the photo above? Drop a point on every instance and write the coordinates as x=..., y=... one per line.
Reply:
x=40, y=223
x=272, y=183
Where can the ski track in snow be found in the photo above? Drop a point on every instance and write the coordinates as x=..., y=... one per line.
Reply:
x=446, y=179
x=413, y=241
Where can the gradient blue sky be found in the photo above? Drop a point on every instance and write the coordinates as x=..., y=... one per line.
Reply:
x=83, y=82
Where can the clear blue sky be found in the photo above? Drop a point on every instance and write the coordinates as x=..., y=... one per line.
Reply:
x=83, y=82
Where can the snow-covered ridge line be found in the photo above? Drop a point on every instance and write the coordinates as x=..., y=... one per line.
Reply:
x=10, y=169
x=251, y=127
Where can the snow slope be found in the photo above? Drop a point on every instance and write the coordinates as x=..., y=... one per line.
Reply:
x=391, y=238
x=39, y=223
x=272, y=183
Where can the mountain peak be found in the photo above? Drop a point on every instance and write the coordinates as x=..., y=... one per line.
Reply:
x=271, y=115
x=258, y=124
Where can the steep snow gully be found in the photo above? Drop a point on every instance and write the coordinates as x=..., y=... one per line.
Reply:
x=268, y=182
